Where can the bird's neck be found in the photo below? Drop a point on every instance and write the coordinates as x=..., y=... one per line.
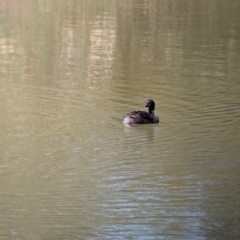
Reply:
x=151, y=110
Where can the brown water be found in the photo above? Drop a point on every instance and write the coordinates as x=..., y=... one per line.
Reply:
x=70, y=70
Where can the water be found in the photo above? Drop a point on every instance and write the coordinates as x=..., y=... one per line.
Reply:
x=70, y=71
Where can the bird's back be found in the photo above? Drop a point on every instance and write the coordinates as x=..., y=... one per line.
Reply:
x=138, y=117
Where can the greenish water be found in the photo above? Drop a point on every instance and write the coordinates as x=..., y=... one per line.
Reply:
x=70, y=71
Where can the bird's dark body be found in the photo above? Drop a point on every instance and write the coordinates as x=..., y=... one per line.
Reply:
x=142, y=117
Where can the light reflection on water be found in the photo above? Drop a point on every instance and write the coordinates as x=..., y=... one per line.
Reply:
x=69, y=167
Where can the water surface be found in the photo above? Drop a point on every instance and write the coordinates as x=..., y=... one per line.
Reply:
x=70, y=71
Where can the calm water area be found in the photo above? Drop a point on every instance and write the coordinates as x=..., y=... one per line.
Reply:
x=70, y=71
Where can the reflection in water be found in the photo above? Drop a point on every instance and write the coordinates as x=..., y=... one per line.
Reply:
x=101, y=51
x=70, y=71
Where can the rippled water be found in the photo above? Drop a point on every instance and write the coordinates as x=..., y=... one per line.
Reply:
x=70, y=71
